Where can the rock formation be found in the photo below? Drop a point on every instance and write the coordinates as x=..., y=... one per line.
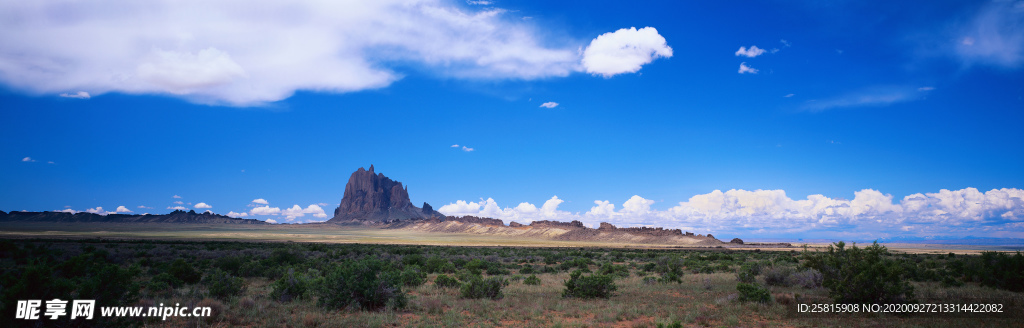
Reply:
x=374, y=198
x=736, y=241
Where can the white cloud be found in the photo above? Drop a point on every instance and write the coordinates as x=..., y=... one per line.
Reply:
x=467, y=149
x=260, y=201
x=785, y=43
x=176, y=196
x=28, y=159
x=179, y=202
x=874, y=96
x=754, y=51
x=178, y=208
x=297, y=211
x=480, y=2
x=122, y=209
x=203, y=205
x=624, y=51
x=994, y=37
x=68, y=210
x=143, y=207
x=747, y=69
x=77, y=95
x=237, y=215
x=455, y=146
x=771, y=211
x=789, y=95
x=271, y=221
x=98, y=210
x=550, y=104
x=50, y=162
x=265, y=210
x=925, y=88
x=244, y=53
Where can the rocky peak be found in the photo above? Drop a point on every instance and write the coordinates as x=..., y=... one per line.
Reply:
x=371, y=196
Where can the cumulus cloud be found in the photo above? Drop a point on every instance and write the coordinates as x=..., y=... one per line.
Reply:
x=203, y=205
x=98, y=210
x=455, y=146
x=178, y=208
x=754, y=51
x=747, y=69
x=550, y=104
x=237, y=215
x=271, y=221
x=870, y=213
x=77, y=95
x=68, y=210
x=176, y=196
x=297, y=211
x=249, y=53
x=265, y=210
x=28, y=159
x=260, y=201
x=523, y=213
x=467, y=149
x=624, y=51
x=122, y=209
x=143, y=207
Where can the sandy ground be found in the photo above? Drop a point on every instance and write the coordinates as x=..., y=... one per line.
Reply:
x=330, y=233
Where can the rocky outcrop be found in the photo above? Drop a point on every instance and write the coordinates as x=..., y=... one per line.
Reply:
x=557, y=224
x=371, y=197
x=477, y=220
x=736, y=241
x=177, y=216
x=515, y=224
x=645, y=231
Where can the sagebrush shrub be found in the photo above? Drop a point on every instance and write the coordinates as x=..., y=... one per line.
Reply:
x=778, y=276
x=532, y=280
x=592, y=286
x=809, y=278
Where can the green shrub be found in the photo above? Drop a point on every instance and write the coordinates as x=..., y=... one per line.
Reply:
x=861, y=275
x=184, y=271
x=747, y=274
x=368, y=284
x=222, y=285
x=438, y=265
x=163, y=281
x=412, y=276
x=809, y=279
x=290, y=287
x=477, y=287
x=622, y=271
x=446, y=281
x=527, y=269
x=753, y=293
x=671, y=276
x=532, y=280
x=592, y=286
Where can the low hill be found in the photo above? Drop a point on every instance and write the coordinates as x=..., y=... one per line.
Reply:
x=177, y=216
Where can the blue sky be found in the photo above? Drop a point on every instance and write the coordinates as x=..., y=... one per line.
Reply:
x=848, y=119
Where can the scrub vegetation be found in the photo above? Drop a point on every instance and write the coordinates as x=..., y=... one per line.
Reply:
x=275, y=284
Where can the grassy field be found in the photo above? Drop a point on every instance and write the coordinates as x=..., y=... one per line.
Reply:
x=648, y=293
